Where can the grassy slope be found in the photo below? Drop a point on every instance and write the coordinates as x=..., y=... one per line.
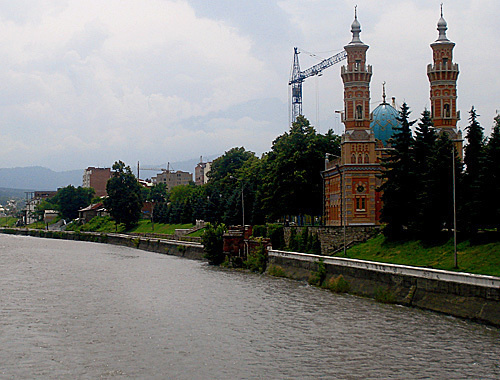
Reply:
x=145, y=226
x=8, y=221
x=480, y=259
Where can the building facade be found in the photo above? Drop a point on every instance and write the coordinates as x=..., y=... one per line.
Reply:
x=172, y=179
x=200, y=172
x=97, y=178
x=351, y=181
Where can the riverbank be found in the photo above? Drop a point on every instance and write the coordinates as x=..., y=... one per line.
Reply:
x=190, y=250
x=464, y=295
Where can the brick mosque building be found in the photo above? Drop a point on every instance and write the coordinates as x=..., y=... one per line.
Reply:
x=351, y=180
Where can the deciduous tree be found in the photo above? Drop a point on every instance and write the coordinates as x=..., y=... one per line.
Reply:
x=124, y=201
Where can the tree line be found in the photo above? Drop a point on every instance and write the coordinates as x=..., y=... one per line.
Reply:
x=423, y=170
x=284, y=181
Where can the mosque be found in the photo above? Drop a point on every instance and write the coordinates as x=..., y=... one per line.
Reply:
x=351, y=181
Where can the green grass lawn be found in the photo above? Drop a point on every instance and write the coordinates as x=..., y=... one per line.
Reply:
x=479, y=259
x=197, y=233
x=8, y=221
x=145, y=226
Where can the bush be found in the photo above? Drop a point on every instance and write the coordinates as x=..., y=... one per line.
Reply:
x=318, y=277
x=257, y=261
x=213, y=243
x=276, y=233
x=276, y=271
x=338, y=284
x=385, y=296
x=304, y=242
x=259, y=231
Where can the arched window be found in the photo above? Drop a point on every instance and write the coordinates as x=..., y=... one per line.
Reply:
x=360, y=158
x=353, y=159
x=367, y=159
x=359, y=112
x=446, y=110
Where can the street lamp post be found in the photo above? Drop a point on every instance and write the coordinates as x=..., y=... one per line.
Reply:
x=242, y=199
x=455, y=256
x=342, y=207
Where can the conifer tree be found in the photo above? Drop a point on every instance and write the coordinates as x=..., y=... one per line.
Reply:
x=399, y=193
x=492, y=177
x=444, y=157
x=427, y=223
x=474, y=159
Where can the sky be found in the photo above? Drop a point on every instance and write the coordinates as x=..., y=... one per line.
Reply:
x=87, y=83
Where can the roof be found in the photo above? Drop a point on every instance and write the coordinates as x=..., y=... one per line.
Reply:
x=384, y=122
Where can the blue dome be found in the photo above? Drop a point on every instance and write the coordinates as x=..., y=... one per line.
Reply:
x=384, y=122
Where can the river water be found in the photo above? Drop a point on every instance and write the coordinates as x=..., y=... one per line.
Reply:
x=77, y=310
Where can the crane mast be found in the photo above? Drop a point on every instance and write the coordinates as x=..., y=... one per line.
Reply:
x=297, y=77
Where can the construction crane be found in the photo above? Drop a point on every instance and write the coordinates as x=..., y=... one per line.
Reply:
x=297, y=77
x=139, y=168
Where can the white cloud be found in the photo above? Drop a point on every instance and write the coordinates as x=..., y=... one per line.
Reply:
x=88, y=83
x=122, y=72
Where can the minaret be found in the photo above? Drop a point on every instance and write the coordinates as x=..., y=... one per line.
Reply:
x=443, y=75
x=358, y=163
x=356, y=77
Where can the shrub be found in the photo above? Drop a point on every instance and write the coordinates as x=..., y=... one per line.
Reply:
x=318, y=276
x=276, y=233
x=338, y=284
x=385, y=296
x=276, y=271
x=213, y=243
x=259, y=231
x=257, y=261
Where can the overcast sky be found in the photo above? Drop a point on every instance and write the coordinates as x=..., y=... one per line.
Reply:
x=86, y=83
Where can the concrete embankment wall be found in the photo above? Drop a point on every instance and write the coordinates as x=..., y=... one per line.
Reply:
x=463, y=295
x=170, y=247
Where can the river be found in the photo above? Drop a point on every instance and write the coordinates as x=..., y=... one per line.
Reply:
x=78, y=310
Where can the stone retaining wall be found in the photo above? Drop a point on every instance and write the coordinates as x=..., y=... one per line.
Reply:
x=332, y=237
x=463, y=295
x=170, y=247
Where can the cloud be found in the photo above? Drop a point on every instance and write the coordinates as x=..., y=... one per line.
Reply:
x=120, y=72
x=88, y=83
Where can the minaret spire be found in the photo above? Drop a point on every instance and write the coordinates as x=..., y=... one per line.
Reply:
x=356, y=28
x=442, y=26
x=383, y=92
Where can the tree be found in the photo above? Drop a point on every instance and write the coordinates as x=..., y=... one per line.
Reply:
x=444, y=157
x=212, y=240
x=492, y=177
x=425, y=224
x=228, y=175
x=124, y=201
x=399, y=195
x=293, y=183
x=70, y=199
x=474, y=159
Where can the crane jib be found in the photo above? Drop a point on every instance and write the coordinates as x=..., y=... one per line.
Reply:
x=318, y=68
x=299, y=76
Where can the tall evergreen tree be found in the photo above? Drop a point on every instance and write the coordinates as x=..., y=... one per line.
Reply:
x=474, y=160
x=445, y=157
x=492, y=176
x=426, y=223
x=399, y=193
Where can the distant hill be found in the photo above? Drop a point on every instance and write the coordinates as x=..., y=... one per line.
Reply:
x=38, y=178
